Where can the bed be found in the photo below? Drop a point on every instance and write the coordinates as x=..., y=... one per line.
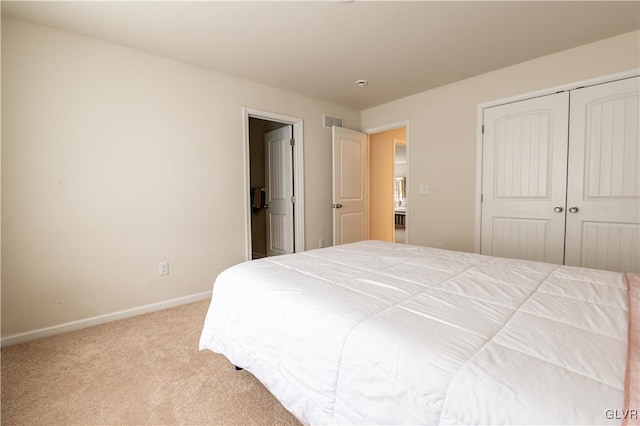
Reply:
x=382, y=333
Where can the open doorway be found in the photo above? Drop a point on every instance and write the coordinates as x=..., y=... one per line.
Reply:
x=274, y=184
x=388, y=168
x=258, y=176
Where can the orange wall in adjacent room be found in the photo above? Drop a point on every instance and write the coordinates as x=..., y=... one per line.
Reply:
x=381, y=179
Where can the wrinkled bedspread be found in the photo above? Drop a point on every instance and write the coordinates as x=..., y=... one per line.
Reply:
x=381, y=333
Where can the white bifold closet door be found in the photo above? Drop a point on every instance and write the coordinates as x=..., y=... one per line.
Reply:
x=603, y=192
x=561, y=178
x=524, y=179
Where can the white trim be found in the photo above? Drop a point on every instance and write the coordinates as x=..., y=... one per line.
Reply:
x=298, y=172
x=385, y=127
x=544, y=92
x=564, y=87
x=391, y=126
x=478, y=218
x=101, y=319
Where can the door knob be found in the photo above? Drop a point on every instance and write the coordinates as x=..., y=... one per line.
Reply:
x=336, y=206
x=573, y=209
x=558, y=209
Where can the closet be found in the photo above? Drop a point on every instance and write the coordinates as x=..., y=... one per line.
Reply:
x=561, y=178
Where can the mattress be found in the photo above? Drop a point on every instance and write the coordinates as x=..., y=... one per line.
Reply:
x=381, y=333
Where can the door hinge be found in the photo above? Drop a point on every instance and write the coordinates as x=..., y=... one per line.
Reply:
x=483, y=129
x=292, y=142
x=481, y=198
x=293, y=199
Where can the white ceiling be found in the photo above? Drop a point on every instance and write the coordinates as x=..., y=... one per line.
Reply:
x=320, y=49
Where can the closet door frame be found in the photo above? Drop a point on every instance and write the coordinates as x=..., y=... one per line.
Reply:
x=479, y=136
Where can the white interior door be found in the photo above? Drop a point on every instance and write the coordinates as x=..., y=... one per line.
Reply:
x=279, y=191
x=603, y=199
x=350, y=186
x=524, y=179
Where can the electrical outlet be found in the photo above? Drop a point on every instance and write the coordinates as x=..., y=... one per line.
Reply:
x=163, y=268
x=321, y=243
x=439, y=245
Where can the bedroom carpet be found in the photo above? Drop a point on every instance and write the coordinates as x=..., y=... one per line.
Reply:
x=143, y=370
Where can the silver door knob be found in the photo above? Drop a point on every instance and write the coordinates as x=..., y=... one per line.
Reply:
x=558, y=209
x=336, y=206
x=573, y=209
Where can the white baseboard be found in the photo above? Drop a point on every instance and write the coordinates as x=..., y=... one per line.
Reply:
x=101, y=319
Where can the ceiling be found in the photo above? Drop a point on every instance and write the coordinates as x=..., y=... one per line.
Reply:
x=321, y=48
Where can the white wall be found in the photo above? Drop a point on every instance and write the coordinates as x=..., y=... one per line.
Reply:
x=113, y=160
x=442, y=138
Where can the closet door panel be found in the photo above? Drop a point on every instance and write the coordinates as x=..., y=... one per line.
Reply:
x=611, y=246
x=524, y=179
x=603, y=190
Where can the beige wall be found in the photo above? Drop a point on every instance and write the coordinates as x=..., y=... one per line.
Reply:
x=442, y=132
x=114, y=160
x=381, y=167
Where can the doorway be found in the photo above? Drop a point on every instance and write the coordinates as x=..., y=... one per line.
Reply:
x=273, y=159
x=364, y=174
x=388, y=168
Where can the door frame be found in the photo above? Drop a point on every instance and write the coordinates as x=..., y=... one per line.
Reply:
x=298, y=174
x=543, y=92
x=392, y=126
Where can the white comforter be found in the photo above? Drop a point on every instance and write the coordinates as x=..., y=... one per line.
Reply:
x=379, y=333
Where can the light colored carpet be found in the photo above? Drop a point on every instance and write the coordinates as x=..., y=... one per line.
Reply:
x=143, y=370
